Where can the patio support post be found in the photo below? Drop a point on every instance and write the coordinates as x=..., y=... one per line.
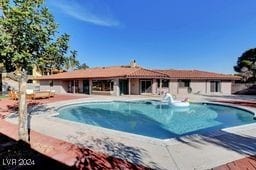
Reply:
x=178, y=81
x=154, y=87
x=206, y=87
x=90, y=87
x=129, y=86
x=74, y=87
x=160, y=86
x=170, y=86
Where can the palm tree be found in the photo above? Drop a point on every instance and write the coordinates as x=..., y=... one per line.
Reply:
x=71, y=62
x=83, y=66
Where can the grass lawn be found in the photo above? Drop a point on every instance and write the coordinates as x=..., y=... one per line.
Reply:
x=1, y=96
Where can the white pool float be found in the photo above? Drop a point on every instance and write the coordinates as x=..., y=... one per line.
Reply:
x=168, y=97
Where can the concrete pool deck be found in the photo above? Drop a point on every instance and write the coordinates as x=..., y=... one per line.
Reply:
x=188, y=152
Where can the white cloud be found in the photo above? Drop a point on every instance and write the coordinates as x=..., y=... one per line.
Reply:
x=91, y=11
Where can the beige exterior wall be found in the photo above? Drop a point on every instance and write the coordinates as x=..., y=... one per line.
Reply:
x=44, y=85
x=135, y=86
x=198, y=87
x=173, y=87
x=59, y=86
x=208, y=86
x=154, y=86
x=116, y=91
x=226, y=87
x=183, y=90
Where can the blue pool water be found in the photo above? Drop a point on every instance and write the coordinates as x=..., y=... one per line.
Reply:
x=155, y=119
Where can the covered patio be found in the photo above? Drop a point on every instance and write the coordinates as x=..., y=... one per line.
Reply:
x=106, y=81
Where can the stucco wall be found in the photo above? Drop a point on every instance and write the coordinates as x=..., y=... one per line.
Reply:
x=116, y=88
x=198, y=87
x=58, y=85
x=208, y=86
x=173, y=87
x=135, y=86
x=154, y=86
x=44, y=85
x=201, y=87
x=226, y=87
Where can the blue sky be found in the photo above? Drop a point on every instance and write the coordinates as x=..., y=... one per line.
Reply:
x=180, y=34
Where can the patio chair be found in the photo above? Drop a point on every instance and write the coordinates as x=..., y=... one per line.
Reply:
x=41, y=94
x=52, y=93
x=29, y=93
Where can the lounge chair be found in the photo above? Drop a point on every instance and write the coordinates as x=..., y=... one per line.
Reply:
x=29, y=93
x=41, y=94
x=52, y=93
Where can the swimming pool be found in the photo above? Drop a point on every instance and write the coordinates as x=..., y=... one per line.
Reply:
x=156, y=119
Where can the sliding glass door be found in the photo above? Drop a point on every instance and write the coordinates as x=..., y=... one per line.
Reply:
x=145, y=86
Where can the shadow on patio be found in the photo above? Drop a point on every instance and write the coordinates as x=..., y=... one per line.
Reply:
x=15, y=153
x=243, y=144
x=19, y=155
x=8, y=106
x=115, y=155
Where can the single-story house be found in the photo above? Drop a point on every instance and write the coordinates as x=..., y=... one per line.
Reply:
x=134, y=80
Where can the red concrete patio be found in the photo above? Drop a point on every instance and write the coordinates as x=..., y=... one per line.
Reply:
x=8, y=106
x=248, y=163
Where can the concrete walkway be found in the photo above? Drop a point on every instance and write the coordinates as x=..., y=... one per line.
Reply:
x=189, y=152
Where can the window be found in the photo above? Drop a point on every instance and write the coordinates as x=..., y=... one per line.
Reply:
x=72, y=83
x=165, y=83
x=215, y=86
x=73, y=86
x=102, y=85
x=184, y=83
x=146, y=86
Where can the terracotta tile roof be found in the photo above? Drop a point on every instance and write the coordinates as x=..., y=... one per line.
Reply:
x=197, y=75
x=104, y=72
x=137, y=72
x=145, y=73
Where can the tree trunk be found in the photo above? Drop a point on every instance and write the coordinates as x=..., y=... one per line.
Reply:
x=23, y=128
